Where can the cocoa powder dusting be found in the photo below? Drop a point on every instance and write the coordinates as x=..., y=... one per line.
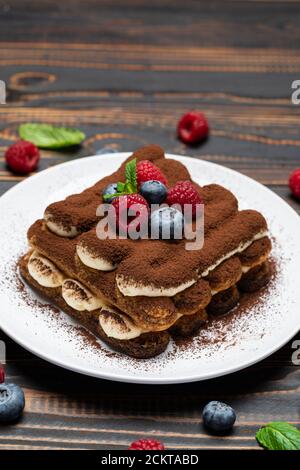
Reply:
x=149, y=262
x=211, y=337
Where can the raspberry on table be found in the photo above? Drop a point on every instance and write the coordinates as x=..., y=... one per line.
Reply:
x=184, y=193
x=22, y=157
x=124, y=203
x=294, y=183
x=147, y=171
x=146, y=444
x=192, y=127
x=2, y=374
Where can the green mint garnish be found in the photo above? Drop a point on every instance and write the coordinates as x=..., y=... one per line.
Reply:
x=51, y=137
x=130, y=173
x=120, y=187
x=130, y=185
x=279, y=435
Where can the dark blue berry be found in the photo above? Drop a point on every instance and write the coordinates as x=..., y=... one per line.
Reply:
x=218, y=416
x=110, y=189
x=153, y=191
x=12, y=402
x=167, y=223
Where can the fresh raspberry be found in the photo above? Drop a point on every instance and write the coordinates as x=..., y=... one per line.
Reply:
x=192, y=127
x=146, y=444
x=122, y=204
x=184, y=193
x=294, y=183
x=146, y=171
x=2, y=375
x=22, y=157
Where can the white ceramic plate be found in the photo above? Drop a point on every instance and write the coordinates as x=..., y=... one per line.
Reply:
x=247, y=339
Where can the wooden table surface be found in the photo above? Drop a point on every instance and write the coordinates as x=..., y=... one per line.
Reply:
x=124, y=72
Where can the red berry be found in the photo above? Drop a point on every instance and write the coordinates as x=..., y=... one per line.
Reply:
x=22, y=157
x=184, y=193
x=147, y=171
x=294, y=183
x=146, y=444
x=192, y=127
x=122, y=204
x=2, y=375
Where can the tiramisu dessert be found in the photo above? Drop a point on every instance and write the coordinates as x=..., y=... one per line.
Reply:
x=135, y=294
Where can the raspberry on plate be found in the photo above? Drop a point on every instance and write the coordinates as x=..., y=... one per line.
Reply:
x=192, y=127
x=146, y=444
x=184, y=193
x=294, y=183
x=122, y=204
x=146, y=171
x=22, y=157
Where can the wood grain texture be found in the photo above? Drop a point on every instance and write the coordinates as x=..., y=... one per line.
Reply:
x=124, y=72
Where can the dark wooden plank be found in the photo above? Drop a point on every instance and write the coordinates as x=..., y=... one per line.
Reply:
x=124, y=72
x=64, y=409
x=234, y=23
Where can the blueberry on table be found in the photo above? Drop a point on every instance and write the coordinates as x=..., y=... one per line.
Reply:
x=111, y=188
x=12, y=402
x=218, y=416
x=153, y=191
x=167, y=223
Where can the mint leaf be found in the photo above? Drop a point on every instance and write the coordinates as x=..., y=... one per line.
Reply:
x=131, y=179
x=279, y=435
x=120, y=187
x=130, y=186
x=108, y=196
x=51, y=137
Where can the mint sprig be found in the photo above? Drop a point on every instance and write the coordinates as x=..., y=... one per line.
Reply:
x=50, y=137
x=130, y=173
x=130, y=185
x=279, y=435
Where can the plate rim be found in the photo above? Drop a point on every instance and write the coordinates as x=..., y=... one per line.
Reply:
x=128, y=378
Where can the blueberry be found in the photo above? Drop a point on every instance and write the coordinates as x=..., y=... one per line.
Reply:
x=218, y=416
x=153, y=191
x=110, y=189
x=12, y=402
x=167, y=223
